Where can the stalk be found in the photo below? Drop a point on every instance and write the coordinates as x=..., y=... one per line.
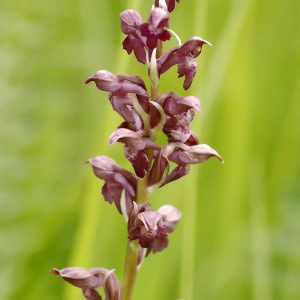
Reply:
x=130, y=270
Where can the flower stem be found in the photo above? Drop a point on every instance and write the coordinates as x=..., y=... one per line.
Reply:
x=130, y=270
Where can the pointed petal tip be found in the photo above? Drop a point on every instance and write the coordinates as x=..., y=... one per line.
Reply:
x=55, y=271
x=88, y=80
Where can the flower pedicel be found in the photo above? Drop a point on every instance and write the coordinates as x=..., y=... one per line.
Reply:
x=144, y=116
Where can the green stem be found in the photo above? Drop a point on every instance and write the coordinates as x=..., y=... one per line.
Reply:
x=130, y=270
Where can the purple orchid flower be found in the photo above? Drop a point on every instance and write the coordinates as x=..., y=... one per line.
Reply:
x=90, y=279
x=170, y=4
x=148, y=228
x=179, y=112
x=117, y=180
x=154, y=30
x=151, y=228
x=136, y=145
x=181, y=154
x=134, y=42
x=119, y=86
x=183, y=56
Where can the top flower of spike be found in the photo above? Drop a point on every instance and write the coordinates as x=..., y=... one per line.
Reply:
x=142, y=38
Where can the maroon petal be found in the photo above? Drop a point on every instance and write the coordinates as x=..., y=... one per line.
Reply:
x=91, y=294
x=160, y=165
x=130, y=21
x=123, y=106
x=177, y=127
x=149, y=229
x=91, y=279
x=193, y=154
x=128, y=137
x=116, y=179
x=105, y=81
x=187, y=68
x=176, y=173
x=171, y=216
x=183, y=56
x=118, y=85
x=130, y=24
x=84, y=278
x=154, y=30
x=173, y=104
x=158, y=19
x=192, y=140
x=138, y=159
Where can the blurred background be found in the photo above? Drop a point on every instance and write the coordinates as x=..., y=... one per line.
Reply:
x=240, y=234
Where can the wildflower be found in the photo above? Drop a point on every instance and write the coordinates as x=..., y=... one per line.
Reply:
x=90, y=279
x=183, y=56
x=147, y=227
x=130, y=24
x=136, y=145
x=154, y=30
x=116, y=180
x=181, y=154
x=119, y=86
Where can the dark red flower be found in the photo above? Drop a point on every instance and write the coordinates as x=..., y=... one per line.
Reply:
x=119, y=86
x=136, y=144
x=154, y=30
x=90, y=279
x=117, y=180
x=186, y=155
x=130, y=24
x=149, y=230
x=183, y=56
x=181, y=154
x=178, y=113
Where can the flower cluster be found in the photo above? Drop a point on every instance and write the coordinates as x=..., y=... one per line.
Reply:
x=145, y=115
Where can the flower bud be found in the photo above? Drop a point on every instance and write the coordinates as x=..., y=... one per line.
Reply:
x=153, y=73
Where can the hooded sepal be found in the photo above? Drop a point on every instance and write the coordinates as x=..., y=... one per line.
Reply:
x=116, y=180
x=90, y=279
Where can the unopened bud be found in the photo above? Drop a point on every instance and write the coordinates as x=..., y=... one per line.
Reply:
x=153, y=70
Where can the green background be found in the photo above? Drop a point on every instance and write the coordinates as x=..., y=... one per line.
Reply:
x=240, y=232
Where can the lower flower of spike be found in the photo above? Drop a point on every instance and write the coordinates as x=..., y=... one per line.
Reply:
x=90, y=279
x=151, y=228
